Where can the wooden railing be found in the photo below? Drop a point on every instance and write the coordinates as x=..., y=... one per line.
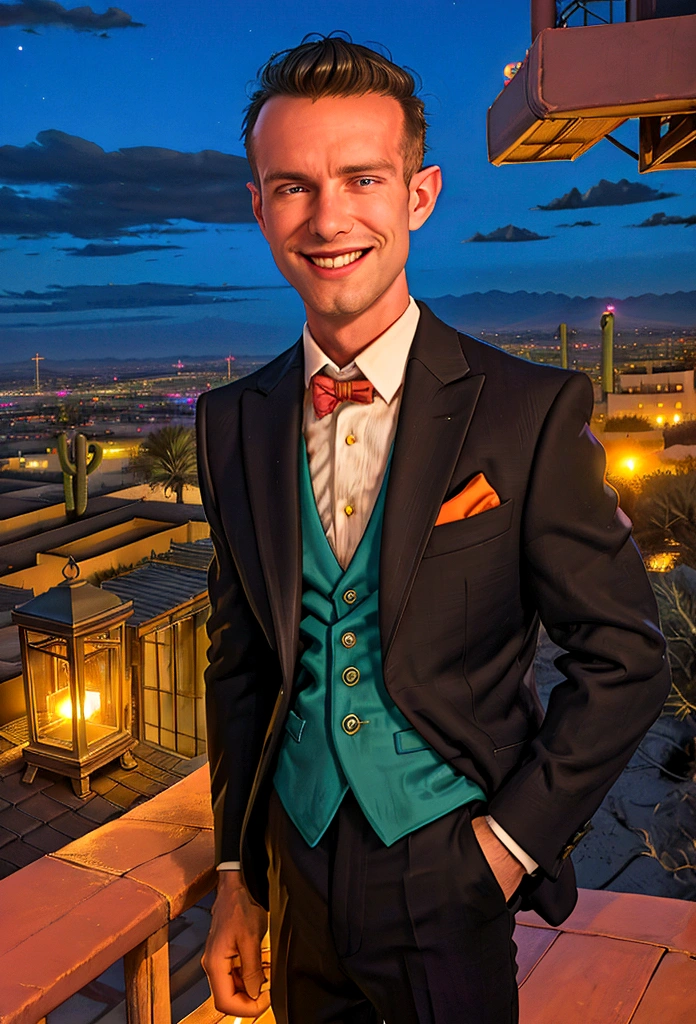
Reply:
x=68, y=916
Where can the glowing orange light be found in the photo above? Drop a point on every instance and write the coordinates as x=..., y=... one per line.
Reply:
x=676, y=418
x=59, y=704
x=660, y=420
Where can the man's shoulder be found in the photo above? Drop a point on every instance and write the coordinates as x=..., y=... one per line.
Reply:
x=226, y=397
x=485, y=357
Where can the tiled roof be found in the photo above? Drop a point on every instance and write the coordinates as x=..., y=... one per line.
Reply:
x=195, y=554
x=42, y=817
x=10, y=597
x=156, y=588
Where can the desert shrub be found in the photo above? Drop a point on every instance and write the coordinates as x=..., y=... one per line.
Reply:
x=627, y=424
x=664, y=514
x=680, y=433
x=676, y=600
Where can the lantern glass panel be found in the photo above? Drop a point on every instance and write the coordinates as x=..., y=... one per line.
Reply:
x=49, y=673
x=102, y=672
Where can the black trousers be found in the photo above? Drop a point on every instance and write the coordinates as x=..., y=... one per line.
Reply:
x=415, y=933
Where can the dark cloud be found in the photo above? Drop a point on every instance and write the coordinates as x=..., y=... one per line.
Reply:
x=580, y=224
x=46, y=12
x=145, y=295
x=607, y=193
x=174, y=231
x=660, y=220
x=60, y=324
x=117, y=250
x=510, y=233
x=107, y=195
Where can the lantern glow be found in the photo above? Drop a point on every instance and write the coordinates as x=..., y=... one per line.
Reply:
x=72, y=664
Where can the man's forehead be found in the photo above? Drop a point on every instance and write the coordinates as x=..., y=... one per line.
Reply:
x=338, y=115
x=355, y=133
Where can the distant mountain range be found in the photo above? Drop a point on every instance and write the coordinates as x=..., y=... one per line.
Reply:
x=529, y=311
x=507, y=312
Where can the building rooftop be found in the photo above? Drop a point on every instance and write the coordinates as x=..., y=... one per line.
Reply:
x=157, y=588
x=103, y=513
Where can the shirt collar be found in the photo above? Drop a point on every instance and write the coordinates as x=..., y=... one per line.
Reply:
x=383, y=362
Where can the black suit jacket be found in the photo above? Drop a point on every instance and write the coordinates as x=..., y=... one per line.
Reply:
x=460, y=603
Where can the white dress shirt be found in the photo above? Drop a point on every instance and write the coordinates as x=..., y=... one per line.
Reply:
x=348, y=450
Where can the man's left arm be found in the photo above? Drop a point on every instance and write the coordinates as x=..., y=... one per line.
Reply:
x=594, y=597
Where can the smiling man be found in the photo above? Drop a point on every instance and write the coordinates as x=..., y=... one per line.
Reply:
x=394, y=506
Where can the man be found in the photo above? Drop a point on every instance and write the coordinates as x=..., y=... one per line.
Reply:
x=393, y=507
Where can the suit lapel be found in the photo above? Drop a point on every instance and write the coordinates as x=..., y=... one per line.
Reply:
x=436, y=409
x=271, y=425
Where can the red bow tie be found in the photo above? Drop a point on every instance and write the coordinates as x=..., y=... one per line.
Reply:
x=327, y=393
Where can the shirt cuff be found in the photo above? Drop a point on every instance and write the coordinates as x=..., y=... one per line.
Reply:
x=228, y=865
x=525, y=860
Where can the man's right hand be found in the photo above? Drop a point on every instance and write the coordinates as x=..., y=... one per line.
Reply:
x=238, y=926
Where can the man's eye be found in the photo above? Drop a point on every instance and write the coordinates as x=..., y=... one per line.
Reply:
x=366, y=181
x=292, y=189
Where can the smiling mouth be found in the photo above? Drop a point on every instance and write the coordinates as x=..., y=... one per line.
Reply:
x=330, y=262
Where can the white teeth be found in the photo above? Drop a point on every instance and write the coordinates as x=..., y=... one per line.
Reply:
x=337, y=261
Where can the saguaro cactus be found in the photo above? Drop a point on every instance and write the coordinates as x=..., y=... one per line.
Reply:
x=75, y=473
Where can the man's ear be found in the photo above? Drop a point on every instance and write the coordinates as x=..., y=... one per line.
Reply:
x=424, y=188
x=256, y=206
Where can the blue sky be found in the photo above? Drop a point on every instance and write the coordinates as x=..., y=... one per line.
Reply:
x=180, y=83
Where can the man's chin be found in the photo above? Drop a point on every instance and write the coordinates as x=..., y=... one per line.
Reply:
x=340, y=302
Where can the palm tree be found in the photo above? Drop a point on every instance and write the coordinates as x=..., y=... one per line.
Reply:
x=167, y=457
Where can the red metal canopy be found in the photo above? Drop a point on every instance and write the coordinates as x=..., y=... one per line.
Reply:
x=578, y=84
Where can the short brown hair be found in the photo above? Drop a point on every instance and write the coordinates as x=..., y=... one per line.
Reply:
x=335, y=66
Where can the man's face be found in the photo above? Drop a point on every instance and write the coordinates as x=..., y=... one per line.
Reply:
x=333, y=204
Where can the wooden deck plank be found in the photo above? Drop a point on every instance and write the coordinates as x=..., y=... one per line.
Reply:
x=584, y=979
x=671, y=995
x=625, y=915
x=532, y=943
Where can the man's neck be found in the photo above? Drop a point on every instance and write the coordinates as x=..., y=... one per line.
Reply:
x=344, y=338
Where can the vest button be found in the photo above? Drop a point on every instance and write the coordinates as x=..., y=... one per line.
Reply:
x=351, y=724
x=351, y=675
x=350, y=596
x=349, y=639
x=351, y=439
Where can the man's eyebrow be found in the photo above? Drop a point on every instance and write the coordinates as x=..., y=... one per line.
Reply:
x=377, y=165
x=348, y=169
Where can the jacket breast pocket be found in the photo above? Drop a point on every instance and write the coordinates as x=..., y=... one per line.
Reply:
x=465, y=533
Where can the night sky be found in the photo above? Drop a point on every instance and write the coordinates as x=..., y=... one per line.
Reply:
x=91, y=237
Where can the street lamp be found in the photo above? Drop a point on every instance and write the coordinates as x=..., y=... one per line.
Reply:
x=71, y=640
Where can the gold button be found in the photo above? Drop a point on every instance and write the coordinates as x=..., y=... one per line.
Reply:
x=351, y=439
x=351, y=724
x=351, y=675
x=350, y=596
x=349, y=510
x=349, y=639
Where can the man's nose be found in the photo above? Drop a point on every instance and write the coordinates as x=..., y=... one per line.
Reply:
x=330, y=214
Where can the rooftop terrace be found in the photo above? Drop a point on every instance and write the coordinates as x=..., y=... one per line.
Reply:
x=619, y=958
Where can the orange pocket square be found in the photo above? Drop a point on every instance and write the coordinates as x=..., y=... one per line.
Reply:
x=477, y=496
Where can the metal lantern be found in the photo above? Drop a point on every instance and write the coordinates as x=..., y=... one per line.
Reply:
x=72, y=660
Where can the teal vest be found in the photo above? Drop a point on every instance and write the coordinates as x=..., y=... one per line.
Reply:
x=344, y=730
